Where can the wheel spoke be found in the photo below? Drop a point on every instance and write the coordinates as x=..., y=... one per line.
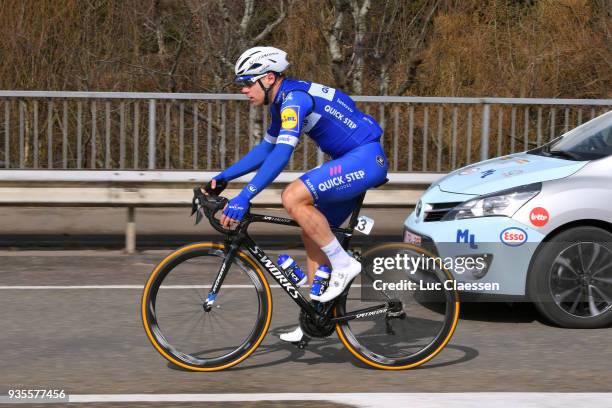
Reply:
x=561, y=296
x=566, y=263
x=580, y=255
x=602, y=294
x=199, y=295
x=576, y=301
x=605, y=267
x=604, y=280
x=596, y=250
x=592, y=306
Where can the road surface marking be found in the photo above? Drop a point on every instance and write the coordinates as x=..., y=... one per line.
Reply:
x=377, y=400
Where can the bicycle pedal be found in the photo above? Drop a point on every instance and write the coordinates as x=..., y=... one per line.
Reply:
x=302, y=344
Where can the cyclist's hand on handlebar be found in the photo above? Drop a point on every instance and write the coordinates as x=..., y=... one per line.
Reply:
x=214, y=187
x=235, y=210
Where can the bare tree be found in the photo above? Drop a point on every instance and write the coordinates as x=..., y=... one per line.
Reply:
x=420, y=27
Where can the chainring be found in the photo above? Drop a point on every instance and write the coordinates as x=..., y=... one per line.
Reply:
x=312, y=329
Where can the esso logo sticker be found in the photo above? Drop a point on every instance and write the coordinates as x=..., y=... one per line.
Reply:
x=539, y=216
x=513, y=236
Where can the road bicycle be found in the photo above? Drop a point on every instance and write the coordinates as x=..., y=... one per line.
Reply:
x=207, y=306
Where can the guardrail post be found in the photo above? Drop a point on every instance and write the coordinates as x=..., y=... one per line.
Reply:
x=484, y=139
x=130, y=231
x=152, y=134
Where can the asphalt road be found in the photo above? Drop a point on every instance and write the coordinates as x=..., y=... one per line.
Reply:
x=91, y=341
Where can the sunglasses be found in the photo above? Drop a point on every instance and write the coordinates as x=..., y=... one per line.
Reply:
x=248, y=82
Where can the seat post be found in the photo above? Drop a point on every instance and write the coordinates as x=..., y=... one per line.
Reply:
x=355, y=215
x=353, y=221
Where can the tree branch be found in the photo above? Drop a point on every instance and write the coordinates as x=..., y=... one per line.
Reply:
x=333, y=40
x=413, y=60
x=266, y=32
x=246, y=18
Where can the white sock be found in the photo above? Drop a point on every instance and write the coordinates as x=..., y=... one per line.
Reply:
x=336, y=254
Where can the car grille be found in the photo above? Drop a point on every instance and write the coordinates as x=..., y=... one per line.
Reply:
x=437, y=211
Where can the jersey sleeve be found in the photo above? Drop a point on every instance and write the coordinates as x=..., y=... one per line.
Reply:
x=296, y=106
x=274, y=128
x=251, y=161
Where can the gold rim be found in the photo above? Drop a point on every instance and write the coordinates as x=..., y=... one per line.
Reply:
x=371, y=363
x=152, y=339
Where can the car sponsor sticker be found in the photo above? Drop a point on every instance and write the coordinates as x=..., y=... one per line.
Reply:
x=513, y=236
x=487, y=173
x=512, y=173
x=468, y=171
x=411, y=238
x=539, y=216
x=464, y=236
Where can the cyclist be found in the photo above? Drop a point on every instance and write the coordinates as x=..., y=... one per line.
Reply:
x=325, y=195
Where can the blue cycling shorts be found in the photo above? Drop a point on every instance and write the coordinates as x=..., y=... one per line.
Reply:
x=336, y=185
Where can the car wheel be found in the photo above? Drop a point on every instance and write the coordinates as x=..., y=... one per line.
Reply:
x=570, y=280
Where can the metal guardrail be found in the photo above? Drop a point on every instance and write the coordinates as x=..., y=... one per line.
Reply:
x=163, y=131
x=165, y=177
x=151, y=188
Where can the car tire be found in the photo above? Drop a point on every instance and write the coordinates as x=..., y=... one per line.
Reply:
x=570, y=280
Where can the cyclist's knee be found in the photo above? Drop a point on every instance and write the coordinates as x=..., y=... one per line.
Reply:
x=293, y=197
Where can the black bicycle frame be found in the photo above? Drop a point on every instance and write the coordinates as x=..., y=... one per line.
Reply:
x=241, y=238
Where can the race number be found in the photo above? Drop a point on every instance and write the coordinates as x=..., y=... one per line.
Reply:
x=364, y=224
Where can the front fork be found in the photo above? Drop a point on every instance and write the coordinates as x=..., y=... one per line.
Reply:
x=214, y=290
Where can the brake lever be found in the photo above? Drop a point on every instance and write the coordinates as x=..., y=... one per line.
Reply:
x=197, y=207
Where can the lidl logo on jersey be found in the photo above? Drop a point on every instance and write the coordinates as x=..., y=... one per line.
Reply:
x=289, y=117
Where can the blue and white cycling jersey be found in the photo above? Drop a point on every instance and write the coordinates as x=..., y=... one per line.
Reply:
x=327, y=115
x=332, y=120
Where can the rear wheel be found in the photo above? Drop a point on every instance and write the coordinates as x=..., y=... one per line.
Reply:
x=189, y=333
x=570, y=280
x=409, y=336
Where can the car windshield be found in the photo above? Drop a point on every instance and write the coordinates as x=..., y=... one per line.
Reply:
x=590, y=141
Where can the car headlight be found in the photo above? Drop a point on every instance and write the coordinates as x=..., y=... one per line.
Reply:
x=502, y=203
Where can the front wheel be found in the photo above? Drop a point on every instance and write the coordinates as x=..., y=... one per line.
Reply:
x=570, y=280
x=413, y=334
x=182, y=325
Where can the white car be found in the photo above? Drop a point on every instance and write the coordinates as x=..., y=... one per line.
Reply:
x=540, y=221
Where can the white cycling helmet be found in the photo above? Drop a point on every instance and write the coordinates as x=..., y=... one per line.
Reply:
x=256, y=62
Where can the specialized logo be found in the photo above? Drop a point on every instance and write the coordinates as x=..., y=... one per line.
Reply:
x=539, y=216
x=513, y=236
x=522, y=161
x=467, y=238
x=380, y=161
x=487, y=173
x=373, y=313
x=277, y=219
x=252, y=188
x=289, y=118
x=342, y=181
x=469, y=171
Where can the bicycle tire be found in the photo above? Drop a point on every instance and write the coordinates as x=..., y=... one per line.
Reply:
x=159, y=338
x=429, y=351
